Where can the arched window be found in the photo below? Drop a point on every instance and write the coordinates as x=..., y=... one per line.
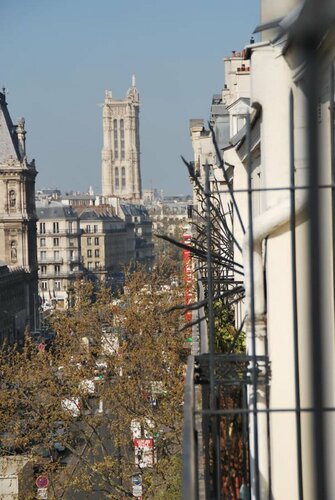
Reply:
x=123, y=177
x=117, y=179
x=12, y=198
x=116, y=144
x=122, y=139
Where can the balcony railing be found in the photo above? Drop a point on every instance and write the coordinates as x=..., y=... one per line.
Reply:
x=61, y=232
x=50, y=260
x=215, y=440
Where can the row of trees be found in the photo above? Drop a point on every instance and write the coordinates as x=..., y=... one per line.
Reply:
x=113, y=363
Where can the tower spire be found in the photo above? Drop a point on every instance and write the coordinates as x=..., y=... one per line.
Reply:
x=133, y=81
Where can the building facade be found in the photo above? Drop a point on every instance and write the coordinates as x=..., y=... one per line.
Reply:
x=277, y=167
x=138, y=222
x=59, y=254
x=121, y=173
x=104, y=242
x=17, y=223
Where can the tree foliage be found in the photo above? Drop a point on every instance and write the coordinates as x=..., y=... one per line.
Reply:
x=121, y=360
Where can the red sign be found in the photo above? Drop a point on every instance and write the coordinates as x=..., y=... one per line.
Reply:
x=143, y=443
x=42, y=482
x=188, y=272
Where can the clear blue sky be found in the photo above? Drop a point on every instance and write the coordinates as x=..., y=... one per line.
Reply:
x=59, y=56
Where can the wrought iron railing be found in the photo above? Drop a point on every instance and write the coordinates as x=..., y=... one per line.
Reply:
x=229, y=393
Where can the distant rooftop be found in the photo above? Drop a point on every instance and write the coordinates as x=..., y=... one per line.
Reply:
x=55, y=211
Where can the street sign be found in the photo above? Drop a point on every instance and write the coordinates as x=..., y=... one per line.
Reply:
x=137, y=491
x=137, y=480
x=42, y=493
x=146, y=444
x=144, y=456
x=42, y=482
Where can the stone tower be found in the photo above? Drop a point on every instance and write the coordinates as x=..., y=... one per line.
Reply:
x=17, y=196
x=121, y=173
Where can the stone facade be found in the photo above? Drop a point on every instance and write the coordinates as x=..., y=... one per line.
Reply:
x=139, y=223
x=17, y=220
x=105, y=242
x=121, y=173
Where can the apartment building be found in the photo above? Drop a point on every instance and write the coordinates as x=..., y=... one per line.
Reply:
x=275, y=160
x=59, y=254
x=106, y=244
x=137, y=220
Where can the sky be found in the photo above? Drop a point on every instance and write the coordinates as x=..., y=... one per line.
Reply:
x=59, y=56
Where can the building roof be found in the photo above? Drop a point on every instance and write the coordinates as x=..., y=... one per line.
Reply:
x=99, y=213
x=79, y=197
x=55, y=211
x=8, y=139
x=133, y=210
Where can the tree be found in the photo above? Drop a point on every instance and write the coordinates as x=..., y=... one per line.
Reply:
x=114, y=363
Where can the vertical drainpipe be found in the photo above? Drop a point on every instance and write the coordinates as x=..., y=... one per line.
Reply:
x=263, y=226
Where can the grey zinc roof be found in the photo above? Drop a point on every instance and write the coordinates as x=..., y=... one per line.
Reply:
x=134, y=210
x=238, y=136
x=92, y=215
x=55, y=212
x=78, y=197
x=8, y=138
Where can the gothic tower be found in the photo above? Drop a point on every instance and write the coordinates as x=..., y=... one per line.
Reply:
x=17, y=200
x=121, y=173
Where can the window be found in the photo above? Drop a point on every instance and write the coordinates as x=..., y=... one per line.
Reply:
x=55, y=226
x=96, y=241
x=56, y=242
x=56, y=254
x=42, y=242
x=89, y=241
x=89, y=253
x=96, y=228
x=43, y=269
x=97, y=265
x=42, y=227
x=44, y=285
x=116, y=146
x=12, y=198
x=57, y=285
x=123, y=177
x=88, y=228
x=57, y=269
x=122, y=139
x=97, y=253
x=117, y=180
x=90, y=265
x=43, y=255
x=70, y=227
x=71, y=254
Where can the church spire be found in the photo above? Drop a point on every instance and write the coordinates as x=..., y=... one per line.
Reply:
x=133, y=81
